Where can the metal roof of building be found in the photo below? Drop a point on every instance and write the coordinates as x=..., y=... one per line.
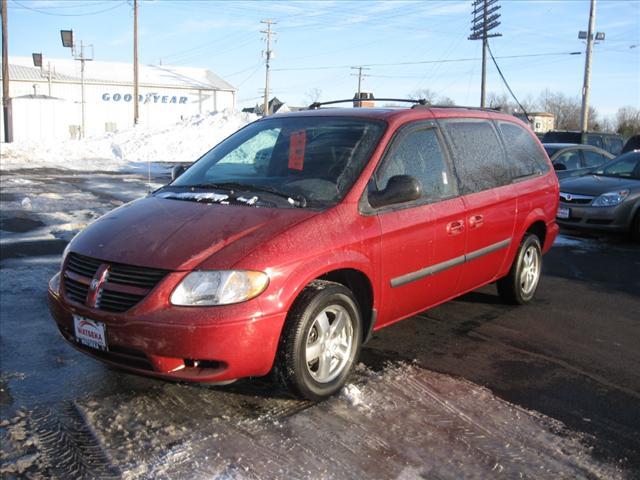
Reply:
x=117, y=73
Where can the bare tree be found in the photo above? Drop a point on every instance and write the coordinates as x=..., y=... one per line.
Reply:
x=424, y=94
x=446, y=101
x=431, y=97
x=313, y=95
x=627, y=121
x=566, y=110
x=500, y=101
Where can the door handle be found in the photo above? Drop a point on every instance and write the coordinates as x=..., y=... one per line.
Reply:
x=456, y=227
x=476, y=221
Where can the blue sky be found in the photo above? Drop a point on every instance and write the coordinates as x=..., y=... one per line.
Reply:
x=317, y=41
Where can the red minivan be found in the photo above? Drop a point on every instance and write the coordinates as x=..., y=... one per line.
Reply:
x=286, y=245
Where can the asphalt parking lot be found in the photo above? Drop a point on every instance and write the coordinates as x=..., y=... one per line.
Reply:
x=473, y=388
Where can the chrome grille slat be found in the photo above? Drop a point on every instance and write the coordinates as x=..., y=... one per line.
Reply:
x=76, y=291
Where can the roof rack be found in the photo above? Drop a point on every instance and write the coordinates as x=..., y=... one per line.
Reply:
x=418, y=103
x=485, y=109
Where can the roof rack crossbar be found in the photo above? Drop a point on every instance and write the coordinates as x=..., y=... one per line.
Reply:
x=419, y=101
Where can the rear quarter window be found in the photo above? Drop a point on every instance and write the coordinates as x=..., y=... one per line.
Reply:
x=478, y=155
x=523, y=152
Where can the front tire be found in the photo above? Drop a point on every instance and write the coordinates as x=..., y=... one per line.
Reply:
x=520, y=285
x=321, y=340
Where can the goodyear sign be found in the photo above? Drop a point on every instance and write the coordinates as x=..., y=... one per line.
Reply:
x=148, y=98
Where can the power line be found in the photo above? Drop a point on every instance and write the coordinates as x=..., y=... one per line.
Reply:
x=44, y=12
x=74, y=4
x=421, y=62
x=505, y=81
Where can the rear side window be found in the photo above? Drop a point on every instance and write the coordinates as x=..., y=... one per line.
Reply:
x=478, y=155
x=570, y=159
x=593, y=159
x=417, y=152
x=523, y=151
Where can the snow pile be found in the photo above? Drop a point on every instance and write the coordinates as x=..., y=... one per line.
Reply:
x=129, y=150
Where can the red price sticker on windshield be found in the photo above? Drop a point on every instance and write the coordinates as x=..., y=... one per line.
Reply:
x=296, y=149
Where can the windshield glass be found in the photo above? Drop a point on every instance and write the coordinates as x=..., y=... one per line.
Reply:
x=316, y=159
x=625, y=166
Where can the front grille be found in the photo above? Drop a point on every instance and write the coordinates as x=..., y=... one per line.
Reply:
x=76, y=291
x=135, y=276
x=82, y=265
x=575, y=199
x=124, y=285
x=117, y=301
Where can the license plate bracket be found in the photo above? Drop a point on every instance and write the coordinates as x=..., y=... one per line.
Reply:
x=90, y=333
x=563, y=213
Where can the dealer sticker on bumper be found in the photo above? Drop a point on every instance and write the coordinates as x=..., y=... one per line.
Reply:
x=90, y=333
x=563, y=212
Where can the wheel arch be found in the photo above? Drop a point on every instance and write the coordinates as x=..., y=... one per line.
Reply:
x=362, y=288
x=351, y=269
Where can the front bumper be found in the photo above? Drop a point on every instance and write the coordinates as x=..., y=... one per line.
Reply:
x=174, y=345
x=615, y=219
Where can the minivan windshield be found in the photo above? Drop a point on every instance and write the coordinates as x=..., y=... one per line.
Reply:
x=312, y=160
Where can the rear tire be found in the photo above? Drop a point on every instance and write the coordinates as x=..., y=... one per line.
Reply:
x=520, y=285
x=320, y=341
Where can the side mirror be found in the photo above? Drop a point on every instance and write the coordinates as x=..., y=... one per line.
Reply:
x=400, y=189
x=559, y=167
x=177, y=171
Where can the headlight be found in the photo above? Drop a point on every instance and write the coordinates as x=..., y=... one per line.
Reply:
x=610, y=199
x=219, y=287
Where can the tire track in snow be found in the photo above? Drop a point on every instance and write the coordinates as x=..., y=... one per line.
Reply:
x=70, y=444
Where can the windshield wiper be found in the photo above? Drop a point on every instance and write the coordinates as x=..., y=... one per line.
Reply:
x=295, y=200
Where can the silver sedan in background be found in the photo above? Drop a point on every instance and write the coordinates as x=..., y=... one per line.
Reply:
x=573, y=160
x=608, y=199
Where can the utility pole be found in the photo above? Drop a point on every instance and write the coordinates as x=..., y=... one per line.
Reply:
x=82, y=60
x=484, y=20
x=6, y=100
x=584, y=124
x=135, y=62
x=268, y=53
x=359, y=75
x=68, y=42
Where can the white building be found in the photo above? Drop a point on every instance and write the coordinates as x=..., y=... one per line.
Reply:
x=540, y=122
x=46, y=102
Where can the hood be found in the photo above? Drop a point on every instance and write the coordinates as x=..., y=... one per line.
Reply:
x=179, y=235
x=597, y=184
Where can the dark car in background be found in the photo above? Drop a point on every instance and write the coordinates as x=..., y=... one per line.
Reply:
x=611, y=142
x=572, y=160
x=632, y=143
x=607, y=200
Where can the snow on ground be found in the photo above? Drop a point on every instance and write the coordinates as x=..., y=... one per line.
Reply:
x=420, y=424
x=129, y=150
